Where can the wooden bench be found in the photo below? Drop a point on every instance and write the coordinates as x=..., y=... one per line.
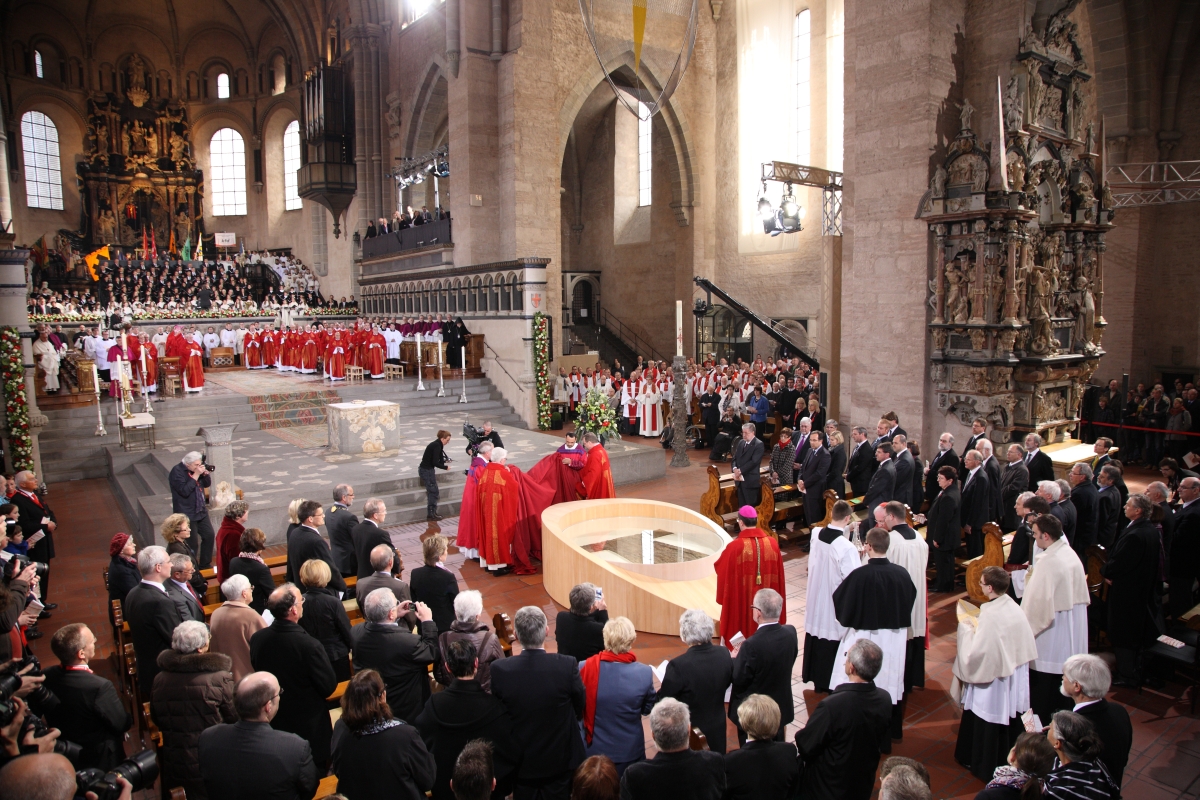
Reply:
x=719, y=502
x=504, y=632
x=393, y=372
x=993, y=556
x=354, y=373
x=278, y=567
x=327, y=787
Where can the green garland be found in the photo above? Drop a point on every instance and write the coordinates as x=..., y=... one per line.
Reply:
x=541, y=367
x=15, y=405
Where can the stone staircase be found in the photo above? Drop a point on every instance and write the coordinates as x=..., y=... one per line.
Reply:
x=71, y=451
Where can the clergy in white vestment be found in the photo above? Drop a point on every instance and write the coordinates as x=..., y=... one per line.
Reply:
x=650, y=409
x=393, y=339
x=629, y=401
x=831, y=558
x=875, y=602
x=159, y=340
x=229, y=337
x=910, y=551
x=1055, y=603
x=991, y=677
x=47, y=358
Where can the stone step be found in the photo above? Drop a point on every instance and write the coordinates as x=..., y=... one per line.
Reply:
x=153, y=479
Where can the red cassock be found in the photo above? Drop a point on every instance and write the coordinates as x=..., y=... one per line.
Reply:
x=597, y=475
x=252, y=354
x=376, y=350
x=308, y=353
x=270, y=350
x=499, y=505
x=470, y=524
x=353, y=351
x=335, y=358
x=748, y=563
x=132, y=355
x=193, y=370
x=151, y=355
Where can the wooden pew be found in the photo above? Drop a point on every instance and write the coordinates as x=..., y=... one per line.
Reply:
x=1097, y=557
x=326, y=787
x=719, y=502
x=993, y=556
x=697, y=740
x=504, y=631
x=278, y=566
x=150, y=728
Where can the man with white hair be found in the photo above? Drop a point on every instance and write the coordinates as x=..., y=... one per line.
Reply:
x=234, y=623
x=188, y=480
x=1051, y=492
x=35, y=517
x=1185, y=549
x=401, y=657
x=1086, y=680
x=762, y=664
x=1041, y=468
x=151, y=613
x=676, y=770
x=499, y=501
x=991, y=465
x=700, y=676
x=976, y=506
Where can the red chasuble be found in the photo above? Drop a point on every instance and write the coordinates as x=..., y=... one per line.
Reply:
x=193, y=369
x=499, y=505
x=308, y=352
x=376, y=348
x=252, y=353
x=748, y=563
x=597, y=475
x=469, y=523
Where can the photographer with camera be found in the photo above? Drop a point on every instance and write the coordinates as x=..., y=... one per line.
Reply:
x=434, y=458
x=51, y=776
x=38, y=523
x=189, y=479
x=18, y=578
x=21, y=730
x=89, y=711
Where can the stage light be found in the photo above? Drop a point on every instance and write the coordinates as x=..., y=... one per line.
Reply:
x=790, y=212
x=767, y=214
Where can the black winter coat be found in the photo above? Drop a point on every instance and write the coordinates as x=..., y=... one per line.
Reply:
x=1134, y=606
x=191, y=693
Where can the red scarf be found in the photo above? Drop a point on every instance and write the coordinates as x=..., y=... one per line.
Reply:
x=590, y=675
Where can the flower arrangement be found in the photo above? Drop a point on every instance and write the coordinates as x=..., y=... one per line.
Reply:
x=597, y=416
x=16, y=406
x=541, y=368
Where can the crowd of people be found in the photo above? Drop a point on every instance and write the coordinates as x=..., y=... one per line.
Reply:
x=1147, y=423
x=404, y=219
x=1035, y=718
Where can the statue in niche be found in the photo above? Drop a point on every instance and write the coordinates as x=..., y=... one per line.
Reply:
x=1014, y=116
x=1021, y=278
x=961, y=172
x=1107, y=201
x=964, y=113
x=1035, y=86
x=1085, y=319
x=1051, y=252
x=937, y=184
x=179, y=151
x=137, y=93
x=137, y=138
x=126, y=142
x=994, y=290
x=1051, y=112
x=1016, y=172
x=1040, y=306
x=956, y=293
x=1079, y=104
x=183, y=226
x=979, y=175
x=106, y=227
x=151, y=143
x=101, y=133
x=1087, y=196
x=1090, y=147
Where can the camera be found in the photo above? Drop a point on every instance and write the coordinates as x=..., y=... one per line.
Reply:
x=140, y=769
x=10, y=683
x=207, y=466
x=34, y=723
x=41, y=568
x=473, y=436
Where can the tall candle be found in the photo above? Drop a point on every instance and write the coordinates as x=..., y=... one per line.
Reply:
x=678, y=327
x=144, y=381
x=95, y=379
x=439, y=352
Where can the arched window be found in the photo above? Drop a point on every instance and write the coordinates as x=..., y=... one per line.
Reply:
x=223, y=85
x=227, y=153
x=504, y=295
x=278, y=75
x=291, y=163
x=644, y=158
x=518, y=293
x=38, y=70
x=43, y=178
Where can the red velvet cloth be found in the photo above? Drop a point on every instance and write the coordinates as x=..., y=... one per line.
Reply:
x=547, y=483
x=748, y=563
x=590, y=675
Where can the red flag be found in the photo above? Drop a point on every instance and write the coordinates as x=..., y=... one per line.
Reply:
x=153, y=246
x=145, y=244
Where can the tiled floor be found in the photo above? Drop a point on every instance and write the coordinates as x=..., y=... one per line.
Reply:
x=1164, y=763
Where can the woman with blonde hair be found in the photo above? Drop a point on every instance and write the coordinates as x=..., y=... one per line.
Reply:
x=177, y=531
x=618, y=693
x=325, y=617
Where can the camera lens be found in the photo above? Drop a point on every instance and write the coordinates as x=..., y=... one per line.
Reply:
x=140, y=769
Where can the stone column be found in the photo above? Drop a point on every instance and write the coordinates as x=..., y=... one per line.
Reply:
x=979, y=292
x=1010, y=281
x=218, y=447
x=679, y=414
x=939, y=268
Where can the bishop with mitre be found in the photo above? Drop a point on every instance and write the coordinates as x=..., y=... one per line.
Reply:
x=748, y=564
x=499, y=504
x=596, y=472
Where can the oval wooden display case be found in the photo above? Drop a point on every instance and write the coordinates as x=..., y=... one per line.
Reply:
x=651, y=595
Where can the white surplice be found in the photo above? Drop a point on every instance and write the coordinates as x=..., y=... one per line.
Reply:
x=828, y=566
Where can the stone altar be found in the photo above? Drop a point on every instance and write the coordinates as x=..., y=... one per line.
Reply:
x=363, y=428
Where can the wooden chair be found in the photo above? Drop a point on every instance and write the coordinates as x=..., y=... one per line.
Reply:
x=354, y=373
x=335, y=699
x=1186, y=658
x=993, y=556
x=504, y=631
x=119, y=638
x=1097, y=557
x=393, y=372
x=170, y=375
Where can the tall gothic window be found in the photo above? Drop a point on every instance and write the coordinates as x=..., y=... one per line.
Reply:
x=37, y=64
x=801, y=47
x=43, y=178
x=644, y=158
x=223, y=85
x=227, y=156
x=291, y=163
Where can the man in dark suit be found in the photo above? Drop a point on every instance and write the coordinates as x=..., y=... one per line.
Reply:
x=861, y=464
x=883, y=482
x=946, y=457
x=367, y=535
x=151, y=614
x=305, y=543
x=1086, y=498
x=1070, y=515
x=579, y=631
x=35, y=516
x=545, y=696
x=250, y=759
x=995, y=473
x=1160, y=495
x=763, y=663
x=1041, y=468
x=1086, y=680
x=1100, y=448
x=340, y=523
x=847, y=732
x=1108, y=511
x=747, y=460
x=676, y=770
x=188, y=480
x=1185, y=548
x=300, y=664
x=400, y=657
x=976, y=506
x=944, y=532
x=179, y=589
x=814, y=473
x=382, y=558
x=700, y=676
x=710, y=415
x=978, y=432
x=906, y=466
x=1013, y=481
x=90, y=713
